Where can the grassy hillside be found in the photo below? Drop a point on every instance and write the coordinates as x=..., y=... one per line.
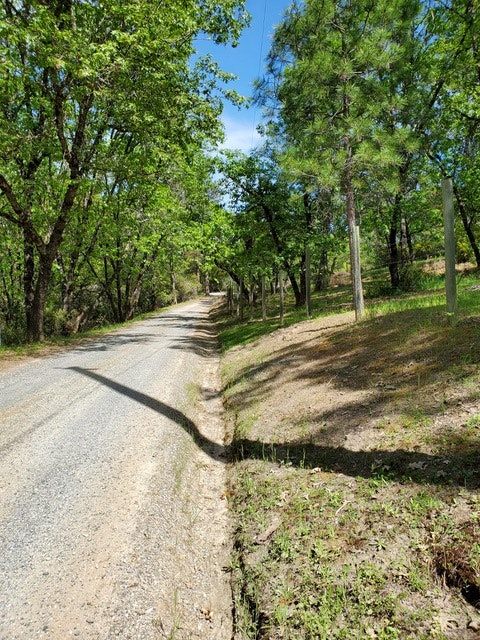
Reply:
x=355, y=470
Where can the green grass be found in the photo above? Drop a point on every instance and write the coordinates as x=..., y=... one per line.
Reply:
x=390, y=549
x=234, y=333
x=430, y=297
x=309, y=581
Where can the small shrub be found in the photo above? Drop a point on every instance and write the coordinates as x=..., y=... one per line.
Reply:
x=12, y=335
x=55, y=322
x=411, y=278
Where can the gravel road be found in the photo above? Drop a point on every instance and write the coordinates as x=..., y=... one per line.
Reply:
x=113, y=518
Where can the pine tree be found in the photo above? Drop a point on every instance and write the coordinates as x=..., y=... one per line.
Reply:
x=327, y=69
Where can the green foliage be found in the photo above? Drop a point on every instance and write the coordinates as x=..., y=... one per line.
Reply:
x=372, y=99
x=339, y=106
x=103, y=119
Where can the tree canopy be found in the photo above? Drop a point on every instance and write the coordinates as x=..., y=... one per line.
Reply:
x=111, y=201
x=101, y=111
x=368, y=104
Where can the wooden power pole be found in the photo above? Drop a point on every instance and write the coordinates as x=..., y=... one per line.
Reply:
x=449, y=228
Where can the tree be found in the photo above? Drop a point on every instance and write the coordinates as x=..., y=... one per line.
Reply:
x=11, y=286
x=453, y=139
x=271, y=214
x=327, y=71
x=78, y=76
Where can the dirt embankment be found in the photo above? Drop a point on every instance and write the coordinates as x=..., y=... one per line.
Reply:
x=355, y=488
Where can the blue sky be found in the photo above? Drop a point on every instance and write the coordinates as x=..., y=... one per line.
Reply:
x=247, y=61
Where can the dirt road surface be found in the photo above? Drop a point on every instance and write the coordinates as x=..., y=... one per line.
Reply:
x=113, y=522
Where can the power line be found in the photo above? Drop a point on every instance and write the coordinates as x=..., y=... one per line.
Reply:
x=260, y=61
x=263, y=36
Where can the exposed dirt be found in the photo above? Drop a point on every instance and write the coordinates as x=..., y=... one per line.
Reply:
x=388, y=408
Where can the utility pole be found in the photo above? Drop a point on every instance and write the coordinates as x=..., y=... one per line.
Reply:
x=449, y=230
x=308, y=277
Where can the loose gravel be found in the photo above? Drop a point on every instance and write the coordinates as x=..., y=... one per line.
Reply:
x=113, y=521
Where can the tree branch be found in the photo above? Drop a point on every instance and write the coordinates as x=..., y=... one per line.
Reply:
x=7, y=190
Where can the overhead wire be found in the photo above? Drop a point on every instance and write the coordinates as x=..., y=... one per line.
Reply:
x=260, y=61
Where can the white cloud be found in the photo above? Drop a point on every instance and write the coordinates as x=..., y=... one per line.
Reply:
x=240, y=134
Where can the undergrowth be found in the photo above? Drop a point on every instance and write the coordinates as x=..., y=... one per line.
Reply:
x=430, y=297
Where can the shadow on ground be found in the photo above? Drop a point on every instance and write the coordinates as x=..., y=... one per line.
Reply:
x=463, y=469
x=348, y=360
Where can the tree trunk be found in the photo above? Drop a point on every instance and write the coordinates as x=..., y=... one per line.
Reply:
x=353, y=235
x=303, y=277
x=393, y=257
x=324, y=272
x=230, y=299
x=297, y=292
x=264, y=300
x=67, y=296
x=228, y=271
x=399, y=253
x=270, y=218
x=241, y=299
x=408, y=236
x=36, y=311
x=77, y=321
x=307, y=282
x=449, y=230
x=207, y=283
x=173, y=282
x=107, y=287
x=467, y=225
x=28, y=284
x=282, y=301
x=251, y=298
x=118, y=287
x=132, y=301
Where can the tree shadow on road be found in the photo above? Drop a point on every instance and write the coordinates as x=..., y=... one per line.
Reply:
x=462, y=469
x=213, y=449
